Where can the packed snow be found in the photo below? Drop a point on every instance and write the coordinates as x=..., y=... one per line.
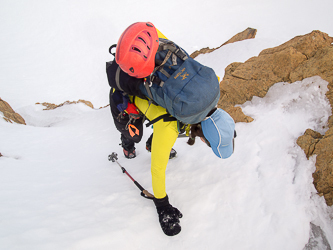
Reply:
x=59, y=191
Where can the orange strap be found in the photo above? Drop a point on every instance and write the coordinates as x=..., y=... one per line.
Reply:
x=132, y=133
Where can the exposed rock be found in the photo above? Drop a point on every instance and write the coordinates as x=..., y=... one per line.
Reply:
x=308, y=44
x=50, y=106
x=1, y=155
x=246, y=34
x=308, y=141
x=242, y=81
x=9, y=114
x=317, y=239
x=284, y=63
x=107, y=105
x=202, y=51
x=323, y=176
x=300, y=58
x=320, y=64
x=88, y=103
x=237, y=114
x=249, y=33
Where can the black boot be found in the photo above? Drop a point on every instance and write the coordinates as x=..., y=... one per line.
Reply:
x=173, y=153
x=128, y=147
x=148, y=143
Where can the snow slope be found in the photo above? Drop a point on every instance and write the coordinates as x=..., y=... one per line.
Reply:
x=59, y=191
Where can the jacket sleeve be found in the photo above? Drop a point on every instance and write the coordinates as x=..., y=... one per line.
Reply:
x=126, y=83
x=165, y=135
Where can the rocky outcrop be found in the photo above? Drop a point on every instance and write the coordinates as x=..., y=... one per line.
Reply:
x=9, y=114
x=249, y=33
x=323, y=176
x=308, y=141
x=300, y=58
x=314, y=144
x=321, y=64
x=49, y=106
x=246, y=34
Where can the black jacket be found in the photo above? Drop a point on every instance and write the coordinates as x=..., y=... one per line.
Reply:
x=127, y=83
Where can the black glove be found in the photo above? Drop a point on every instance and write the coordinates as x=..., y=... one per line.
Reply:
x=168, y=216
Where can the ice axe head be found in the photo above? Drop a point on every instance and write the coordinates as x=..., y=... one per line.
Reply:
x=113, y=157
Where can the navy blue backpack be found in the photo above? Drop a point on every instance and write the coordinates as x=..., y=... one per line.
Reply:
x=187, y=89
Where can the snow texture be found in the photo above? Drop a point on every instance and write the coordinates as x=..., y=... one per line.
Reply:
x=59, y=191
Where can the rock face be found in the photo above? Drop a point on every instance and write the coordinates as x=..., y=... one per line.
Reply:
x=246, y=34
x=308, y=141
x=299, y=58
x=322, y=146
x=295, y=60
x=9, y=114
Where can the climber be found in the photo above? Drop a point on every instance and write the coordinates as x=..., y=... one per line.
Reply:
x=130, y=107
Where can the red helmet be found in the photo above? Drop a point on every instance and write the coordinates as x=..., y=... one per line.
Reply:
x=136, y=49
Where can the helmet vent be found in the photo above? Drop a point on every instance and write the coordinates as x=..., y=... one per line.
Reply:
x=148, y=34
x=136, y=49
x=148, y=47
x=140, y=38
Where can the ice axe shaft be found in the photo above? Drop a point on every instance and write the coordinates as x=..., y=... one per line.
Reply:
x=144, y=193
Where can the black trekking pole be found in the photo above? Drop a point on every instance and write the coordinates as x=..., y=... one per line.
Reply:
x=144, y=193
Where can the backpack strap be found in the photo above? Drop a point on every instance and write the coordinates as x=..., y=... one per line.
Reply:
x=117, y=79
x=160, y=68
x=117, y=76
x=171, y=47
x=166, y=118
x=147, y=86
x=173, y=52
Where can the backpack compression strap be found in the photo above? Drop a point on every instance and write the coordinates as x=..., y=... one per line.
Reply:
x=117, y=76
x=173, y=52
x=170, y=46
x=160, y=68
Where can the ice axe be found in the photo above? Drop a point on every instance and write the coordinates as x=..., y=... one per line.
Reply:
x=144, y=193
